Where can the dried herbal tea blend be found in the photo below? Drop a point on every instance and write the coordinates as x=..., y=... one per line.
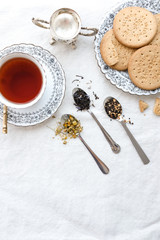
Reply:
x=70, y=129
x=82, y=100
x=113, y=108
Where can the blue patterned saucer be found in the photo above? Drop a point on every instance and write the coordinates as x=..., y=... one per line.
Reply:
x=54, y=92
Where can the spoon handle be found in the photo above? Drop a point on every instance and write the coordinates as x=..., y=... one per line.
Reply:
x=4, y=129
x=114, y=146
x=138, y=148
x=100, y=164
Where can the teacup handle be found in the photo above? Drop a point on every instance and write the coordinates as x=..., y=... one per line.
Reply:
x=39, y=22
x=93, y=31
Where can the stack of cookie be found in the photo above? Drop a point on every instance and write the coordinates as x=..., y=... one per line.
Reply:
x=134, y=44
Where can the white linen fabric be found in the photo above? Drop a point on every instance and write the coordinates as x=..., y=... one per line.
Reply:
x=51, y=191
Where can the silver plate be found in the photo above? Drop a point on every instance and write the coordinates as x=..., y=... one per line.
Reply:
x=121, y=78
x=54, y=92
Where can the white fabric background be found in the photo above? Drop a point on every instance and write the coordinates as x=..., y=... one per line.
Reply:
x=51, y=191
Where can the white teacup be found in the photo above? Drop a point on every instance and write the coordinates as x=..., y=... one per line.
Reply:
x=32, y=101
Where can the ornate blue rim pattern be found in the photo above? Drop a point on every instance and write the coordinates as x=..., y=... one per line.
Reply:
x=19, y=118
x=121, y=78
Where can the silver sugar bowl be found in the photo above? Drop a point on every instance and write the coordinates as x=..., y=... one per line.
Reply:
x=65, y=26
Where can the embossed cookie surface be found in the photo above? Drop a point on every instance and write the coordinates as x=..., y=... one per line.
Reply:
x=114, y=53
x=144, y=67
x=134, y=27
x=156, y=39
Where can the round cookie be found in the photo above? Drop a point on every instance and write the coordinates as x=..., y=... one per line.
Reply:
x=156, y=39
x=107, y=49
x=114, y=53
x=134, y=27
x=143, y=67
x=157, y=16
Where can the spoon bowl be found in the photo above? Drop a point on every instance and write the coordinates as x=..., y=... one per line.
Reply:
x=81, y=99
x=113, y=108
x=64, y=118
x=75, y=90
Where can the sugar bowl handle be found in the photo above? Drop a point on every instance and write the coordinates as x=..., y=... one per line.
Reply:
x=39, y=22
x=92, y=31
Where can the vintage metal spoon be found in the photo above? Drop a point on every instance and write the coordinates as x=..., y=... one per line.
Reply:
x=82, y=102
x=4, y=129
x=100, y=164
x=117, y=115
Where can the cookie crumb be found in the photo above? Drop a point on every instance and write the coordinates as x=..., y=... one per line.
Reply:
x=143, y=106
x=156, y=109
